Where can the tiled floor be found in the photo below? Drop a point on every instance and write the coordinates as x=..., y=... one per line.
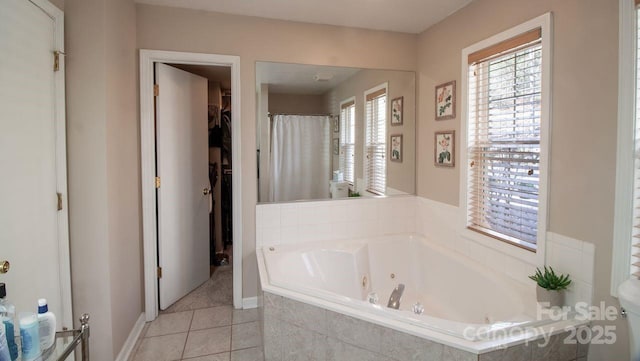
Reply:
x=203, y=326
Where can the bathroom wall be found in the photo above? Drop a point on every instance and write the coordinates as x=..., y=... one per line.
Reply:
x=583, y=128
x=256, y=39
x=400, y=175
x=103, y=169
x=296, y=104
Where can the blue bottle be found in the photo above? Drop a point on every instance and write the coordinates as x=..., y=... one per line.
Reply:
x=29, y=335
x=8, y=315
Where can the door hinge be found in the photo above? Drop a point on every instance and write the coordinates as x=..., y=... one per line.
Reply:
x=59, y=201
x=159, y=272
x=56, y=60
x=157, y=182
x=156, y=90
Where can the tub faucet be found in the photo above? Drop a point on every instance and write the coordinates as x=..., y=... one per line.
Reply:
x=394, y=299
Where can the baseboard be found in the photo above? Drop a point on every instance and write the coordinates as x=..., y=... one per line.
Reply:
x=130, y=343
x=250, y=302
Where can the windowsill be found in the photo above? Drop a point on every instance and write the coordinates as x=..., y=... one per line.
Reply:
x=525, y=255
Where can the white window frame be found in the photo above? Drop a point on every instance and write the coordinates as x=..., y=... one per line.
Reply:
x=384, y=86
x=346, y=101
x=623, y=214
x=543, y=22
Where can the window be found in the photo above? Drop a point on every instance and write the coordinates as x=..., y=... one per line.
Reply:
x=348, y=139
x=504, y=140
x=626, y=234
x=375, y=167
x=635, y=231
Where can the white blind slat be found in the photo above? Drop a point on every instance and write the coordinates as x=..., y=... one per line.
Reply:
x=504, y=144
x=635, y=240
x=375, y=142
x=347, y=141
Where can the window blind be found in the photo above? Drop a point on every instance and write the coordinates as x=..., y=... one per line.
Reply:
x=375, y=142
x=504, y=140
x=635, y=239
x=348, y=140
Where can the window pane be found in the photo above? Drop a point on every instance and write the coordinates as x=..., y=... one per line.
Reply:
x=504, y=145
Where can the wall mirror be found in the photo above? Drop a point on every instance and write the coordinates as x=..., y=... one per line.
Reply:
x=329, y=132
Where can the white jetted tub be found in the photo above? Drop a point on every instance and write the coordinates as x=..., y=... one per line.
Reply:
x=462, y=299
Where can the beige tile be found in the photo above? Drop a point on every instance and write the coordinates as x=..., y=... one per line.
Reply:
x=170, y=323
x=248, y=354
x=243, y=316
x=211, y=317
x=217, y=357
x=402, y=346
x=454, y=354
x=555, y=349
x=304, y=315
x=339, y=351
x=245, y=335
x=522, y=352
x=139, y=341
x=217, y=291
x=301, y=344
x=354, y=331
x=161, y=348
x=208, y=342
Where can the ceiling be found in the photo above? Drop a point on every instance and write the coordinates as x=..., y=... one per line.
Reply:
x=286, y=78
x=407, y=16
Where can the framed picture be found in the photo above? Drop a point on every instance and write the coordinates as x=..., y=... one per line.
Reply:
x=445, y=145
x=446, y=101
x=336, y=124
x=336, y=146
x=396, y=111
x=396, y=147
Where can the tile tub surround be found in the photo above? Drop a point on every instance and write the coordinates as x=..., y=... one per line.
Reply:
x=287, y=223
x=299, y=222
x=295, y=330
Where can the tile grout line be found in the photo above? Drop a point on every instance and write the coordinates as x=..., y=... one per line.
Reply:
x=184, y=347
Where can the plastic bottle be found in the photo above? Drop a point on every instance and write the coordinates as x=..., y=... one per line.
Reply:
x=4, y=348
x=29, y=335
x=47, y=325
x=8, y=316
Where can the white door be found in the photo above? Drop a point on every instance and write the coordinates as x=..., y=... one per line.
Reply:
x=183, y=166
x=33, y=232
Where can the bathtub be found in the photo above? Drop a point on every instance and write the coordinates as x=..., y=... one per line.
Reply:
x=465, y=304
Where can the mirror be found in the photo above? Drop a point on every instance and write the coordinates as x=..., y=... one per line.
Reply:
x=329, y=132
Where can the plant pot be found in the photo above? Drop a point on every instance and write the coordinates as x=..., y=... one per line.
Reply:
x=550, y=298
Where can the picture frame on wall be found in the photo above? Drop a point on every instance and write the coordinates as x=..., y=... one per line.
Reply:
x=446, y=101
x=444, y=149
x=336, y=146
x=397, y=110
x=396, y=148
x=336, y=124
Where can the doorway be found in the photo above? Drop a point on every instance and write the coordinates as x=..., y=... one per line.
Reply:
x=148, y=58
x=219, y=113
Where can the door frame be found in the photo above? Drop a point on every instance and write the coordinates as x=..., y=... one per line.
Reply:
x=148, y=166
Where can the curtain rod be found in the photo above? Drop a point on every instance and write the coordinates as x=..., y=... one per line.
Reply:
x=312, y=115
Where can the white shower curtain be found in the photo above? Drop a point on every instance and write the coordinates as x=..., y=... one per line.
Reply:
x=300, y=158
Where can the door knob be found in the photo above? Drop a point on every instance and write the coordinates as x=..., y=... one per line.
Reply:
x=206, y=191
x=4, y=266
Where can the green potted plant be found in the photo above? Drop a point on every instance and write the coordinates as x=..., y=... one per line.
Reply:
x=550, y=286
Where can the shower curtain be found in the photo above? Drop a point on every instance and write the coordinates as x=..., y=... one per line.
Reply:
x=300, y=158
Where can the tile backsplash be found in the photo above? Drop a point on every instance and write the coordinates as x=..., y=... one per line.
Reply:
x=286, y=223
